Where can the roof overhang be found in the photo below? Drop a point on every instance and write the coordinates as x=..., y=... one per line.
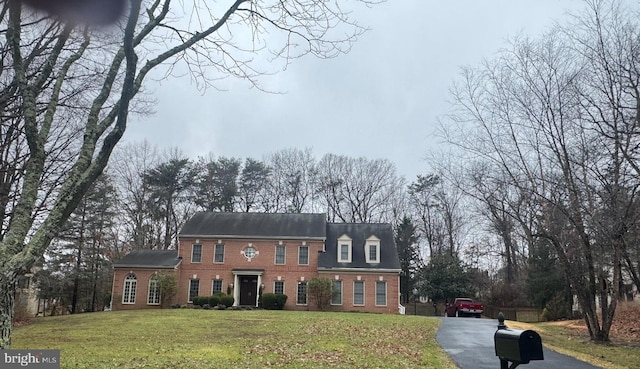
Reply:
x=358, y=270
x=141, y=266
x=134, y=266
x=253, y=237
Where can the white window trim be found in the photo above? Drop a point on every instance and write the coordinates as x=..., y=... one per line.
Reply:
x=283, y=287
x=189, y=290
x=308, y=254
x=275, y=256
x=215, y=247
x=341, y=293
x=364, y=293
x=192, y=249
x=345, y=240
x=385, y=292
x=151, y=280
x=306, y=291
x=372, y=241
x=131, y=282
x=221, y=286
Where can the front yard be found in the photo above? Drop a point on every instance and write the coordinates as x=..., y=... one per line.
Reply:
x=190, y=338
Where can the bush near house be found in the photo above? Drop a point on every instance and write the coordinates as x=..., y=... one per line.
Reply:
x=320, y=292
x=272, y=301
x=215, y=300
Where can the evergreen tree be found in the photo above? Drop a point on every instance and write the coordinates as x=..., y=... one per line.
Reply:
x=170, y=183
x=545, y=276
x=78, y=269
x=445, y=277
x=409, y=255
x=217, y=187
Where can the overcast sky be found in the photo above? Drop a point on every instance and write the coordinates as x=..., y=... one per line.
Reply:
x=381, y=100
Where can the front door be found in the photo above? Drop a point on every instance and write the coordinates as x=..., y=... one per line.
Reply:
x=248, y=289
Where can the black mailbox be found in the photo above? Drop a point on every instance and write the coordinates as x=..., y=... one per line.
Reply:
x=518, y=346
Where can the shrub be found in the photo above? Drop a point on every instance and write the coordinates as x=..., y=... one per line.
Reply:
x=168, y=284
x=200, y=300
x=227, y=300
x=320, y=291
x=214, y=300
x=272, y=301
x=557, y=308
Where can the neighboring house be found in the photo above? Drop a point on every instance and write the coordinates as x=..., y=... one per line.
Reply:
x=27, y=303
x=246, y=254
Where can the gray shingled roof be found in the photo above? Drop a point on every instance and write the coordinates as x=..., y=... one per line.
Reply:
x=256, y=225
x=164, y=259
x=359, y=233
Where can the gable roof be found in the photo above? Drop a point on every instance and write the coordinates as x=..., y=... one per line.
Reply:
x=359, y=233
x=256, y=225
x=161, y=259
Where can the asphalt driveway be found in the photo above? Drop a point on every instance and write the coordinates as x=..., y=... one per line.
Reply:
x=469, y=342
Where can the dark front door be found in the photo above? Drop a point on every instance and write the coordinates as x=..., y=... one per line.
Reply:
x=248, y=289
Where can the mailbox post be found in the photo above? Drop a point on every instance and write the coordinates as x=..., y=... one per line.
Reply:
x=516, y=346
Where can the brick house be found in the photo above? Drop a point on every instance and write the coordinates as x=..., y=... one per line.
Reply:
x=246, y=254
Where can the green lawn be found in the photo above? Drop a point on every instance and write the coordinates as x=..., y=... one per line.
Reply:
x=576, y=343
x=189, y=338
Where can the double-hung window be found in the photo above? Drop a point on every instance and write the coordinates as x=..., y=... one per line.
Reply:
x=278, y=287
x=194, y=288
x=216, y=286
x=358, y=292
x=372, y=250
x=381, y=293
x=280, y=254
x=196, y=253
x=301, y=293
x=336, y=293
x=303, y=255
x=218, y=254
x=344, y=249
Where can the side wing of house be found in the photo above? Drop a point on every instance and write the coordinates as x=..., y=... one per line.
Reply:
x=135, y=279
x=362, y=260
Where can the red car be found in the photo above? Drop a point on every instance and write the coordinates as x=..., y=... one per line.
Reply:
x=464, y=306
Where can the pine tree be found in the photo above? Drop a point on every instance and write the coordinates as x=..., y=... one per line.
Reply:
x=409, y=255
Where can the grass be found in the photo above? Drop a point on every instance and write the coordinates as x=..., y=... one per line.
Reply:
x=566, y=338
x=186, y=338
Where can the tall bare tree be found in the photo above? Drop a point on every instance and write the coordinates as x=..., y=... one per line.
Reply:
x=128, y=165
x=358, y=189
x=555, y=118
x=292, y=180
x=45, y=62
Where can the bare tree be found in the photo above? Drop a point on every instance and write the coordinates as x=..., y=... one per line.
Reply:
x=45, y=62
x=546, y=116
x=292, y=180
x=358, y=190
x=128, y=165
x=252, y=184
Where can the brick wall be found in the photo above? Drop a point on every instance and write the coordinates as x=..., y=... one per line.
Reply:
x=290, y=273
x=206, y=271
x=142, y=287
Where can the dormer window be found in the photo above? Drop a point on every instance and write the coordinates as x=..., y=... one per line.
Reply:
x=372, y=250
x=344, y=249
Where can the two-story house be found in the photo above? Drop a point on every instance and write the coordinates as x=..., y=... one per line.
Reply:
x=246, y=254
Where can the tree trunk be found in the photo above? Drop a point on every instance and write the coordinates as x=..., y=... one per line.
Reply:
x=7, y=299
x=76, y=282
